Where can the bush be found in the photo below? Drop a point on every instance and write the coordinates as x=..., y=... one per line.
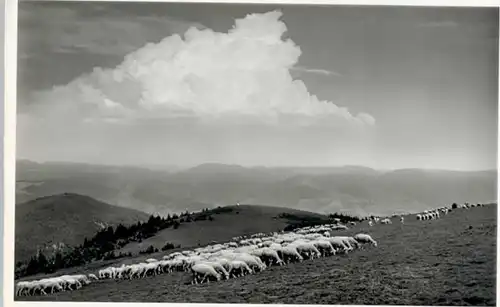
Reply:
x=454, y=206
x=168, y=246
x=109, y=256
x=151, y=249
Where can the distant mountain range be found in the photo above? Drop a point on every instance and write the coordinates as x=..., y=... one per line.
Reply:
x=352, y=189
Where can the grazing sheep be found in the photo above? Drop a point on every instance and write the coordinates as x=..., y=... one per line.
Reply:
x=324, y=246
x=350, y=242
x=238, y=268
x=270, y=256
x=290, y=253
x=219, y=268
x=307, y=249
x=339, y=244
x=93, y=277
x=365, y=238
x=204, y=270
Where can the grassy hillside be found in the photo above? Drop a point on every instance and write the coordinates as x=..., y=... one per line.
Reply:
x=66, y=218
x=227, y=223
x=450, y=261
x=358, y=190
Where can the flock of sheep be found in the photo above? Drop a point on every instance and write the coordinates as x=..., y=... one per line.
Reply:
x=246, y=256
x=219, y=261
x=53, y=284
x=237, y=258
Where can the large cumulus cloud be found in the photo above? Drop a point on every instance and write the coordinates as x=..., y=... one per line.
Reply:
x=243, y=74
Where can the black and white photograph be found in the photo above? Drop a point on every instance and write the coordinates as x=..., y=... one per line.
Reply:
x=255, y=153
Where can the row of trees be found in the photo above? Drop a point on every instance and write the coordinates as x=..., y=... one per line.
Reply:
x=298, y=221
x=151, y=249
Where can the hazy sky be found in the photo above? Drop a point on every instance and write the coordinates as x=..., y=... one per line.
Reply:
x=167, y=83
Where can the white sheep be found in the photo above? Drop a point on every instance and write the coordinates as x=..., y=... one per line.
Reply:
x=289, y=253
x=93, y=277
x=204, y=270
x=219, y=268
x=350, y=242
x=365, y=238
x=325, y=246
x=150, y=260
x=386, y=221
x=339, y=244
x=238, y=268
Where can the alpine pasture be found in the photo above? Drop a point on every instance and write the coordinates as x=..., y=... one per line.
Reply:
x=450, y=260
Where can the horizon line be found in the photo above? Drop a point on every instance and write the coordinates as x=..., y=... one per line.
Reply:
x=160, y=167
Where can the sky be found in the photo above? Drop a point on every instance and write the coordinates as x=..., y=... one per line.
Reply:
x=290, y=85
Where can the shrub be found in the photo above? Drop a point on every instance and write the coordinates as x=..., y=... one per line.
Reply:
x=151, y=249
x=168, y=246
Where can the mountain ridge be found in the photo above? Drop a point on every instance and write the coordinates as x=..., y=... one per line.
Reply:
x=354, y=189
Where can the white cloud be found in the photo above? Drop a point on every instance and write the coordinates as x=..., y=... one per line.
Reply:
x=317, y=71
x=242, y=74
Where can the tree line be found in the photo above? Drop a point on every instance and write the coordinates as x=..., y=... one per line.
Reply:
x=298, y=221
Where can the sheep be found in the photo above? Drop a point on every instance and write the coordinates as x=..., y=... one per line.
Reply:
x=218, y=267
x=307, y=248
x=270, y=256
x=350, y=242
x=93, y=277
x=240, y=266
x=21, y=287
x=325, y=246
x=370, y=223
x=339, y=244
x=252, y=261
x=204, y=270
x=365, y=238
x=386, y=221
x=289, y=253
x=150, y=260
